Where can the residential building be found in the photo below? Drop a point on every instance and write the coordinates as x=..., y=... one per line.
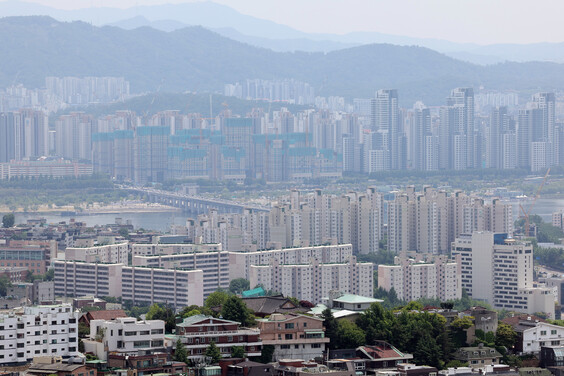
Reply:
x=356, y=303
x=125, y=336
x=197, y=332
x=380, y=356
x=146, y=285
x=293, y=336
x=33, y=258
x=499, y=270
x=150, y=364
x=539, y=335
x=249, y=368
x=240, y=262
x=299, y=367
x=213, y=264
x=106, y=315
x=77, y=278
x=175, y=287
x=412, y=279
x=109, y=254
x=313, y=281
x=141, y=249
x=60, y=369
x=478, y=356
x=38, y=331
x=551, y=356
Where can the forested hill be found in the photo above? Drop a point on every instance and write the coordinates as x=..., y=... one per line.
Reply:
x=197, y=59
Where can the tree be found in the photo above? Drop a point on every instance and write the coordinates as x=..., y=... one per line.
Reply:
x=505, y=335
x=427, y=352
x=4, y=284
x=349, y=335
x=238, y=285
x=156, y=312
x=216, y=299
x=180, y=352
x=8, y=220
x=266, y=354
x=235, y=309
x=331, y=326
x=213, y=353
x=238, y=352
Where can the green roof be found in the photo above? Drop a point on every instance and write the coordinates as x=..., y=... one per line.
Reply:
x=259, y=291
x=350, y=298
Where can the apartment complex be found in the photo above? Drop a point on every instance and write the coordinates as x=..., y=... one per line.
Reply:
x=141, y=249
x=179, y=288
x=125, y=336
x=413, y=279
x=33, y=258
x=313, y=281
x=197, y=332
x=299, y=220
x=214, y=265
x=429, y=221
x=293, y=336
x=240, y=262
x=498, y=269
x=111, y=253
x=36, y=331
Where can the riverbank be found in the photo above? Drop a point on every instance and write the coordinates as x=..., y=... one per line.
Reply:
x=126, y=207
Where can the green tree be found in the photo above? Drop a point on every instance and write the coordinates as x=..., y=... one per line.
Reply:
x=459, y=327
x=213, y=353
x=266, y=354
x=124, y=232
x=377, y=323
x=156, y=312
x=505, y=335
x=216, y=299
x=180, y=352
x=350, y=335
x=238, y=285
x=238, y=352
x=427, y=352
x=235, y=309
x=331, y=326
x=8, y=220
x=4, y=284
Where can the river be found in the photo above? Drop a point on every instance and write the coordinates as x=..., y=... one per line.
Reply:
x=158, y=221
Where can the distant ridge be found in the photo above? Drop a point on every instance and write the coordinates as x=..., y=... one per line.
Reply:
x=196, y=59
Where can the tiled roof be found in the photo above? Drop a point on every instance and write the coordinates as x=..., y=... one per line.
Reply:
x=106, y=314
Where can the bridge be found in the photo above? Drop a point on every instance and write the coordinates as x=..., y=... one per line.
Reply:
x=193, y=204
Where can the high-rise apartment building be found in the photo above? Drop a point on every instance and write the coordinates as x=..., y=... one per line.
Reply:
x=414, y=279
x=499, y=270
x=314, y=280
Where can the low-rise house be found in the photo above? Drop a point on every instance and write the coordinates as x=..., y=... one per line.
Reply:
x=478, y=356
x=126, y=336
x=521, y=323
x=101, y=315
x=498, y=369
x=263, y=306
x=248, y=368
x=298, y=367
x=197, y=332
x=147, y=364
x=293, y=336
x=552, y=356
x=350, y=302
x=60, y=369
x=408, y=369
x=533, y=334
x=381, y=355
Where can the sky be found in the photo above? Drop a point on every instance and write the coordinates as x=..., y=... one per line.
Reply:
x=473, y=21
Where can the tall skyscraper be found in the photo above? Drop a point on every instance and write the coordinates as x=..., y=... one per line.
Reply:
x=461, y=124
x=385, y=118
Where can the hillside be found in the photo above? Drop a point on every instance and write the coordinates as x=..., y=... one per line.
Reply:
x=197, y=59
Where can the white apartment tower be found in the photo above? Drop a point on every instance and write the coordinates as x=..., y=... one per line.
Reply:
x=499, y=270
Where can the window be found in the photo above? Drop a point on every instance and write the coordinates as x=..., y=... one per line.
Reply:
x=288, y=336
x=543, y=332
x=129, y=334
x=553, y=331
x=316, y=345
x=289, y=326
x=284, y=347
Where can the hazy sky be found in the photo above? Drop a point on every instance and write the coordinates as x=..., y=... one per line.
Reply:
x=478, y=21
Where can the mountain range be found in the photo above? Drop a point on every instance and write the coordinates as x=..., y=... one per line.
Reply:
x=267, y=34
x=197, y=59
